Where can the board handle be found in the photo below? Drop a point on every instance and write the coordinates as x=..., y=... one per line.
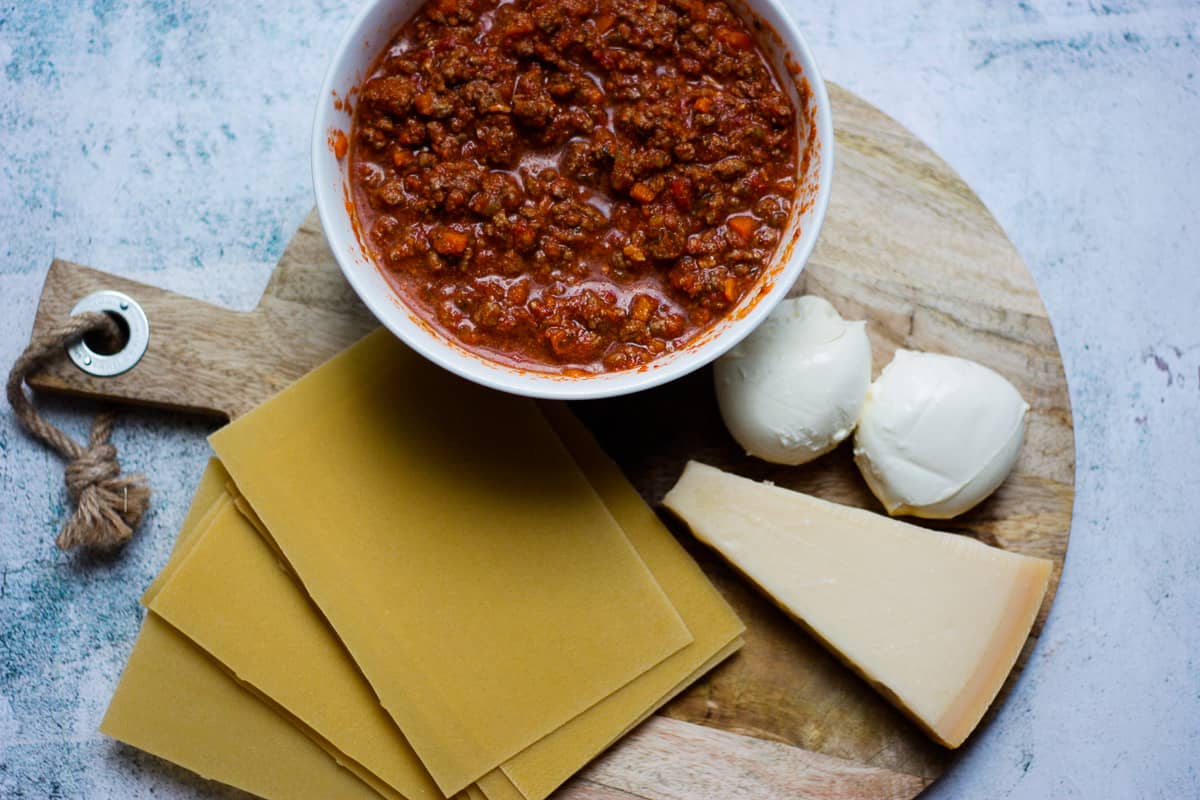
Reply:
x=195, y=354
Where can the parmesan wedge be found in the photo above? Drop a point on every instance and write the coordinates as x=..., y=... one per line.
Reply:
x=934, y=621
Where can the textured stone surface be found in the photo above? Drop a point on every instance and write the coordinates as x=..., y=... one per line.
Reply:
x=167, y=141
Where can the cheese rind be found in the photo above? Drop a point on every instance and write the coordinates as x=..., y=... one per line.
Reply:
x=933, y=620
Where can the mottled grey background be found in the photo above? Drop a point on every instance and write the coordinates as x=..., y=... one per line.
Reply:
x=167, y=141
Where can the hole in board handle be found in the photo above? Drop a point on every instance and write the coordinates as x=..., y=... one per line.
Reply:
x=96, y=354
x=101, y=343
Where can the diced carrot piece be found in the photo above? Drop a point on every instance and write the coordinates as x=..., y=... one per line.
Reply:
x=642, y=193
x=734, y=38
x=731, y=289
x=448, y=241
x=743, y=228
x=340, y=144
x=604, y=22
x=704, y=104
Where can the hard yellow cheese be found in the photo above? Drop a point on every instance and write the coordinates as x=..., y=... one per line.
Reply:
x=935, y=621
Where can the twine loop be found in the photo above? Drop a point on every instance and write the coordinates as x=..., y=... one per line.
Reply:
x=108, y=505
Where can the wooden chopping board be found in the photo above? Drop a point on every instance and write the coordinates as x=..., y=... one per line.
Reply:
x=906, y=245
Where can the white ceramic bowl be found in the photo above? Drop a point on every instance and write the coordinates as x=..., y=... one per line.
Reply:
x=370, y=32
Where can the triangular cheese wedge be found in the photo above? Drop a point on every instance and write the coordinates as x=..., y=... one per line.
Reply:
x=933, y=620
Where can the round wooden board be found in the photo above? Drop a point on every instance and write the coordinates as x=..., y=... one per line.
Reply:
x=906, y=246
x=910, y=248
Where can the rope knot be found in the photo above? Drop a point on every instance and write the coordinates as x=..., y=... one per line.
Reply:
x=91, y=466
x=108, y=505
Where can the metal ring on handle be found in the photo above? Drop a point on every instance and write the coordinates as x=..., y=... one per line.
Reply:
x=120, y=305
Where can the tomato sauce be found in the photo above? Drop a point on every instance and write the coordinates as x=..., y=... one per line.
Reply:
x=573, y=184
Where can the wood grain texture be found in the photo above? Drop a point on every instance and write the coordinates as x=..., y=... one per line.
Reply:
x=209, y=360
x=906, y=246
x=693, y=761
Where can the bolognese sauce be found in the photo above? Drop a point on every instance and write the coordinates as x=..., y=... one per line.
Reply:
x=573, y=184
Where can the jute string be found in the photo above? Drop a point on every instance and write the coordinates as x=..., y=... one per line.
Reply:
x=108, y=505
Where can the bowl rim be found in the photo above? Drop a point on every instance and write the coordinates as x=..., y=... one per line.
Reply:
x=583, y=386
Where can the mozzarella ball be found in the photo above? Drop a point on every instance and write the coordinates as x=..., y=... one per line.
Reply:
x=792, y=389
x=938, y=434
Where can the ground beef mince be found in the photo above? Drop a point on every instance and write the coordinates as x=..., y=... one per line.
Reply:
x=573, y=184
